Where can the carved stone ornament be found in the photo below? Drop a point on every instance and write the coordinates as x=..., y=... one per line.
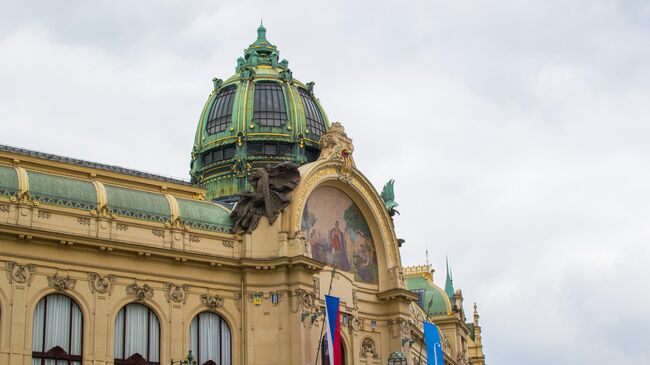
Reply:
x=316, y=286
x=140, y=292
x=369, y=349
x=61, y=283
x=272, y=193
x=83, y=221
x=176, y=293
x=20, y=273
x=43, y=214
x=212, y=301
x=336, y=145
x=101, y=283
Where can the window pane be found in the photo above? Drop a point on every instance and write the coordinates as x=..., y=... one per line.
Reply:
x=314, y=119
x=210, y=339
x=141, y=330
x=220, y=115
x=39, y=327
x=136, y=330
x=269, y=109
x=58, y=322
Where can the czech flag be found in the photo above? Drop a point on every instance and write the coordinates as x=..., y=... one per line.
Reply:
x=434, y=348
x=333, y=319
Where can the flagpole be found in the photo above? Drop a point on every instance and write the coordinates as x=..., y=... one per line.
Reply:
x=322, y=328
x=425, y=320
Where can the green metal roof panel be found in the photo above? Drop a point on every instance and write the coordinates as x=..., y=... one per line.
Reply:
x=204, y=215
x=61, y=190
x=434, y=301
x=138, y=204
x=8, y=181
x=472, y=332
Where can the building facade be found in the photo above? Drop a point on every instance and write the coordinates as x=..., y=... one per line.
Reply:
x=106, y=265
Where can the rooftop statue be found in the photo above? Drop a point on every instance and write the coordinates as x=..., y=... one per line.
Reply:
x=388, y=196
x=272, y=193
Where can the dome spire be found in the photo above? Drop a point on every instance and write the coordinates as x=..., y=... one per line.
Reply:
x=449, y=283
x=262, y=52
x=261, y=33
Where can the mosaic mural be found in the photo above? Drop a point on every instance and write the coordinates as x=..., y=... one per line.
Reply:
x=338, y=234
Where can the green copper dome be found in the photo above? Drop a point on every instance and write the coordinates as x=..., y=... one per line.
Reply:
x=431, y=297
x=259, y=116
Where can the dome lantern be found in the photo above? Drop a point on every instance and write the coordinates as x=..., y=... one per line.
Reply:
x=259, y=116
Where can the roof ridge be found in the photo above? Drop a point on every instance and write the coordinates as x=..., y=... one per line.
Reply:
x=91, y=164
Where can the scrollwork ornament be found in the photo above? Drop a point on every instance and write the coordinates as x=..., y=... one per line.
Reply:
x=212, y=301
x=101, y=283
x=61, y=283
x=176, y=293
x=141, y=293
x=20, y=273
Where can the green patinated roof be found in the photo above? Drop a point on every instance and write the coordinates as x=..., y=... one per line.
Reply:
x=8, y=181
x=138, y=204
x=79, y=193
x=434, y=300
x=296, y=136
x=472, y=332
x=61, y=190
x=449, y=282
x=204, y=215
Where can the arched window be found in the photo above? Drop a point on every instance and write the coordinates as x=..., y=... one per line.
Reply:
x=210, y=340
x=137, y=336
x=221, y=111
x=269, y=109
x=315, y=123
x=57, y=332
x=325, y=355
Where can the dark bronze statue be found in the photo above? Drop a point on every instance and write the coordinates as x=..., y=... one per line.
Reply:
x=272, y=187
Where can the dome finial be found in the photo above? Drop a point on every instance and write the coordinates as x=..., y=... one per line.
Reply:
x=261, y=32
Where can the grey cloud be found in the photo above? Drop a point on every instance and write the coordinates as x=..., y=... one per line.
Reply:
x=524, y=122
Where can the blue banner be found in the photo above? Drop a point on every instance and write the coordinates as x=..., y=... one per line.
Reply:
x=434, y=347
x=333, y=320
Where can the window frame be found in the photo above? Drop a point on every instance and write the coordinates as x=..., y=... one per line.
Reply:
x=126, y=361
x=220, y=113
x=222, y=323
x=261, y=116
x=314, y=120
x=57, y=353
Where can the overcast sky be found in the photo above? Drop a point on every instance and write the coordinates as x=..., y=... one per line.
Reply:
x=517, y=133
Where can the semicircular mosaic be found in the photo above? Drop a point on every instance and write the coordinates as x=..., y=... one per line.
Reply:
x=338, y=233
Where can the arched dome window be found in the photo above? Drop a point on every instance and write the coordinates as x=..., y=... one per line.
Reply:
x=221, y=110
x=210, y=339
x=269, y=109
x=57, y=331
x=137, y=336
x=314, y=119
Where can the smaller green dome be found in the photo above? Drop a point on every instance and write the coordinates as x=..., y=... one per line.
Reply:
x=433, y=299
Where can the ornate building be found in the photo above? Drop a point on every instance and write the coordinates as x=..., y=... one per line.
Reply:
x=106, y=265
